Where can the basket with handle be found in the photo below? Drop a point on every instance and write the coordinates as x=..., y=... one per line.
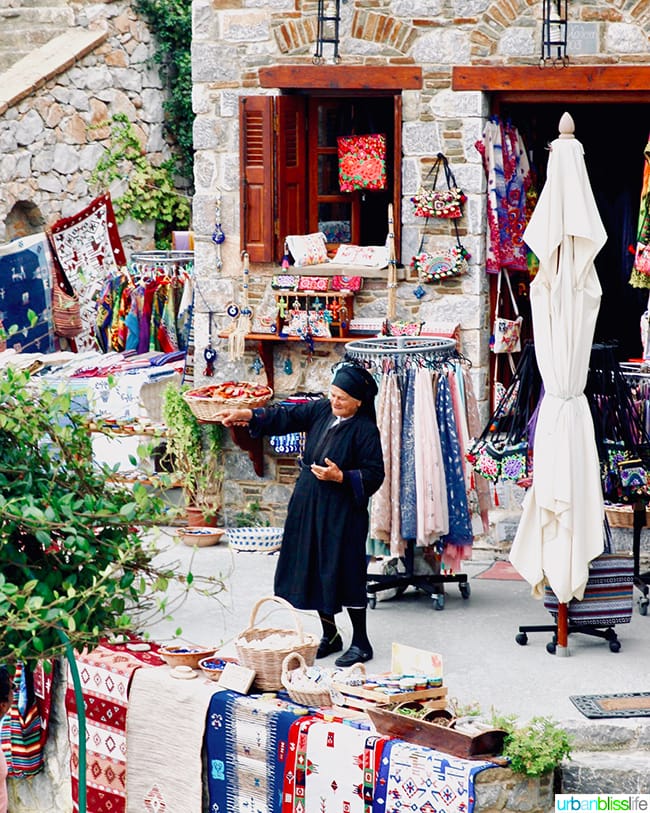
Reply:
x=264, y=650
x=206, y=402
x=300, y=688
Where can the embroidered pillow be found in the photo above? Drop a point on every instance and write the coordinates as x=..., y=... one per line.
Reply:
x=308, y=249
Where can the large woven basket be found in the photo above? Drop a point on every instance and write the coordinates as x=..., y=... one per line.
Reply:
x=266, y=661
x=293, y=667
x=622, y=516
x=207, y=407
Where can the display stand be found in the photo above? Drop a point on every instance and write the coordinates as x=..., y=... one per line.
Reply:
x=400, y=348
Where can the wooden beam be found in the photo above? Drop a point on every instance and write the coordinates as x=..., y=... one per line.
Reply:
x=573, y=78
x=342, y=77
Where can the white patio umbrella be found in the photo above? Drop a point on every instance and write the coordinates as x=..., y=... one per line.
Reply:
x=561, y=528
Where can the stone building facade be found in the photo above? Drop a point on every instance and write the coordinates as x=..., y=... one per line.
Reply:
x=52, y=103
x=236, y=44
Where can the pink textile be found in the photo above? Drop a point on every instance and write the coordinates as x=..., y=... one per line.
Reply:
x=385, y=511
x=430, y=482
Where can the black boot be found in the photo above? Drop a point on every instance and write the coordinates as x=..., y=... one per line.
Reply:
x=331, y=641
x=360, y=650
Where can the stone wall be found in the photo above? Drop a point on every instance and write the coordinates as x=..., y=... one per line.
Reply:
x=232, y=39
x=50, y=141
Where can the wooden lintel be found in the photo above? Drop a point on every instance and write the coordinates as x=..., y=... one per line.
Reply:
x=573, y=78
x=342, y=77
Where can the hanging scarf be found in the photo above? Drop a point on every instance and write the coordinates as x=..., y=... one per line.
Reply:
x=640, y=277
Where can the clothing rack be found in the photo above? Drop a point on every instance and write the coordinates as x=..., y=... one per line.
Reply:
x=402, y=348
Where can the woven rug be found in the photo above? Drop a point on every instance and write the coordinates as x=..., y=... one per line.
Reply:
x=500, y=571
x=26, y=288
x=412, y=777
x=88, y=248
x=165, y=728
x=246, y=747
x=626, y=704
x=105, y=675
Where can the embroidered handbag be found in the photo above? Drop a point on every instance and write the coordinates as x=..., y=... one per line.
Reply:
x=444, y=203
x=343, y=283
x=362, y=162
x=506, y=334
x=313, y=283
x=642, y=258
x=66, y=307
x=284, y=282
x=450, y=262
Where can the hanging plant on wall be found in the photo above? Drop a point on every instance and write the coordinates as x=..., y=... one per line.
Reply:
x=171, y=24
x=150, y=192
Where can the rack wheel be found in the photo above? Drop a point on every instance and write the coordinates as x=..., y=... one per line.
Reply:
x=521, y=638
x=643, y=606
x=551, y=646
x=465, y=589
x=372, y=600
x=614, y=646
x=439, y=601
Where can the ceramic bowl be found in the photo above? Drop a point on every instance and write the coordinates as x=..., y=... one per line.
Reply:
x=262, y=539
x=180, y=655
x=201, y=536
x=214, y=665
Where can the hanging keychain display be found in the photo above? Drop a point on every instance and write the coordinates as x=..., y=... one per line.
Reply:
x=209, y=354
x=218, y=236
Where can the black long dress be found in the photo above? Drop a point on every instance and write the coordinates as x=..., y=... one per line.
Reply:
x=322, y=562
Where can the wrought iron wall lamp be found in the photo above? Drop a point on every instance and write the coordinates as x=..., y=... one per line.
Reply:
x=329, y=19
x=554, y=32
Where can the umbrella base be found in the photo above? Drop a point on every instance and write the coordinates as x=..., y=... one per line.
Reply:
x=607, y=633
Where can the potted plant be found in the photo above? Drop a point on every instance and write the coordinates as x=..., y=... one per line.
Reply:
x=195, y=455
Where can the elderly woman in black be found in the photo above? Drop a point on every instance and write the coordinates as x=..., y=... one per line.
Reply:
x=322, y=562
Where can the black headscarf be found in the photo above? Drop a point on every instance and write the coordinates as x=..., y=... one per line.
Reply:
x=359, y=384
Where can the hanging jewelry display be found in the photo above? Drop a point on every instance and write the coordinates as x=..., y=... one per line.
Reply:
x=257, y=366
x=288, y=366
x=209, y=354
x=237, y=338
x=217, y=235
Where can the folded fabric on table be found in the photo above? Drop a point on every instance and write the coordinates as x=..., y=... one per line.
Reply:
x=413, y=777
x=247, y=746
x=165, y=730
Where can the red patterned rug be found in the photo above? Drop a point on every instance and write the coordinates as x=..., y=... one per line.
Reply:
x=500, y=571
x=105, y=675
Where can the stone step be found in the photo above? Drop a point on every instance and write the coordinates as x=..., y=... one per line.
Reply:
x=607, y=772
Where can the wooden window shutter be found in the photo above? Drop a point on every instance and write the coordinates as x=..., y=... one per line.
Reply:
x=291, y=166
x=257, y=173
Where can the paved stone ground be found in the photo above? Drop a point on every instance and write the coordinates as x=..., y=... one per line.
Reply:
x=476, y=637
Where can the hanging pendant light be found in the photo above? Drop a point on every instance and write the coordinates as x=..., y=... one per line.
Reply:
x=554, y=33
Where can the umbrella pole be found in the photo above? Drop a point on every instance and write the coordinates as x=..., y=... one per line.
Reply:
x=562, y=630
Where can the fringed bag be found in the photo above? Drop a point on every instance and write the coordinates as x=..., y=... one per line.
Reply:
x=66, y=307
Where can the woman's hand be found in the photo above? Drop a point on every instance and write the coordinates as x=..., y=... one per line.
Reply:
x=234, y=417
x=330, y=471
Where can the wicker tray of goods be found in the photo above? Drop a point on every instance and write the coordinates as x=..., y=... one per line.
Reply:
x=207, y=401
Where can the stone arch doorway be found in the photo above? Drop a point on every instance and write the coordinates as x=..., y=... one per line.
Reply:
x=24, y=218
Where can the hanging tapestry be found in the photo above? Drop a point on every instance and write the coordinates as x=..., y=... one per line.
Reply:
x=26, y=294
x=88, y=248
x=105, y=674
x=509, y=179
x=640, y=277
x=412, y=777
x=362, y=162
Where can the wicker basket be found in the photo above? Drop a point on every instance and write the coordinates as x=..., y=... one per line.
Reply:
x=206, y=408
x=622, y=516
x=316, y=696
x=267, y=662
